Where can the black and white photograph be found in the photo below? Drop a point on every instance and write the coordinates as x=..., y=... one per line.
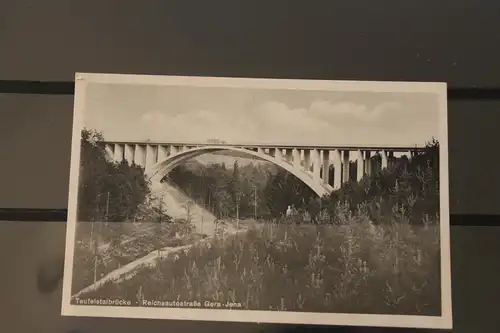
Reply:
x=259, y=200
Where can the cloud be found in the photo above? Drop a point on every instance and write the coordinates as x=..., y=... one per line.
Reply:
x=349, y=113
x=276, y=122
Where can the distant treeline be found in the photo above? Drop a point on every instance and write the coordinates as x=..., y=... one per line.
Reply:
x=407, y=191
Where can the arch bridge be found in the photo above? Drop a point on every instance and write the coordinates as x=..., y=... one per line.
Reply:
x=311, y=164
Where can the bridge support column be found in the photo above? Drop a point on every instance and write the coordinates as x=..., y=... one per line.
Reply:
x=129, y=154
x=118, y=154
x=316, y=164
x=140, y=155
x=346, y=166
x=151, y=154
x=289, y=155
x=278, y=154
x=109, y=150
x=260, y=150
x=384, y=163
x=411, y=155
x=368, y=162
x=162, y=153
x=337, y=170
x=360, y=164
x=307, y=160
x=296, y=157
x=326, y=167
x=173, y=150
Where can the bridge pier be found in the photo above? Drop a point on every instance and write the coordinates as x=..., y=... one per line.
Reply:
x=129, y=154
x=109, y=150
x=346, y=166
x=390, y=158
x=162, y=153
x=326, y=167
x=384, y=163
x=151, y=156
x=173, y=150
x=410, y=155
x=307, y=160
x=118, y=154
x=140, y=155
x=360, y=165
x=337, y=169
x=278, y=154
x=289, y=155
x=296, y=157
x=368, y=163
x=315, y=163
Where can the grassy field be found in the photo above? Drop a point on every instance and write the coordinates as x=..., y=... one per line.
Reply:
x=352, y=268
x=101, y=248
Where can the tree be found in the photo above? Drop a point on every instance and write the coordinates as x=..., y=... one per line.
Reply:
x=153, y=209
x=234, y=184
x=188, y=206
x=107, y=190
x=217, y=187
x=285, y=189
x=407, y=191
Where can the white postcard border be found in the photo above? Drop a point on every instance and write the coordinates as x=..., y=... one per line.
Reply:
x=377, y=320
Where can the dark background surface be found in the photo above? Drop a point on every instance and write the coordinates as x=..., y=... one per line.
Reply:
x=455, y=42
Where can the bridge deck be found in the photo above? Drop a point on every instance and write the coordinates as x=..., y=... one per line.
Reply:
x=279, y=146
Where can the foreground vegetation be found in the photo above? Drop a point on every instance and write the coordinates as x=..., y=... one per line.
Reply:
x=355, y=267
x=101, y=248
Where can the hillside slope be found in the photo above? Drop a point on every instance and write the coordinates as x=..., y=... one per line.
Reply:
x=178, y=204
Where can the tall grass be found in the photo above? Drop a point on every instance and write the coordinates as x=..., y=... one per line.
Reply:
x=353, y=267
x=100, y=248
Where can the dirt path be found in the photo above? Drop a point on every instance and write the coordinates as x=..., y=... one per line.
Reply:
x=128, y=271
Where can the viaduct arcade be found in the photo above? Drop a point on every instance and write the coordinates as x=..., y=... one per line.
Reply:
x=311, y=164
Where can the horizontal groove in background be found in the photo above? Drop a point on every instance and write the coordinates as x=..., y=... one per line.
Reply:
x=37, y=87
x=60, y=215
x=67, y=88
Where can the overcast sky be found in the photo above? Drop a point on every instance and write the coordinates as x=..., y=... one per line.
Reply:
x=181, y=113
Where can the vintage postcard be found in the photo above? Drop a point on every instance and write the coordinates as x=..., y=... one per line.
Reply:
x=259, y=200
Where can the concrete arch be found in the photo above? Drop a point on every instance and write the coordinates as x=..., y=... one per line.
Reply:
x=161, y=169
